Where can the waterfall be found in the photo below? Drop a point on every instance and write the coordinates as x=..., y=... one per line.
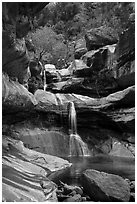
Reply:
x=76, y=145
x=45, y=85
x=43, y=73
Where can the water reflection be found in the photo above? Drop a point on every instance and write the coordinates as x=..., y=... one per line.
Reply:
x=124, y=167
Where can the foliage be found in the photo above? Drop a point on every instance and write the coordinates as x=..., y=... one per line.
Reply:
x=48, y=44
x=61, y=23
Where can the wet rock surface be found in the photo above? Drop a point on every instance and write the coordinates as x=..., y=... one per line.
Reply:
x=105, y=187
x=24, y=173
x=103, y=118
x=69, y=193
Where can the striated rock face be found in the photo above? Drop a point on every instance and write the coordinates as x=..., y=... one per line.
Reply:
x=99, y=37
x=24, y=172
x=104, y=114
x=41, y=137
x=105, y=187
x=15, y=96
x=125, y=57
x=52, y=74
x=15, y=59
x=103, y=119
x=72, y=85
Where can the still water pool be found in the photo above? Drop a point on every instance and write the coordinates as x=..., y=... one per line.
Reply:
x=124, y=167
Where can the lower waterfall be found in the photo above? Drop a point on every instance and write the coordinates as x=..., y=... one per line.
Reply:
x=76, y=145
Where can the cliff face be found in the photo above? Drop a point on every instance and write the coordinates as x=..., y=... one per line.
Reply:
x=23, y=171
x=17, y=21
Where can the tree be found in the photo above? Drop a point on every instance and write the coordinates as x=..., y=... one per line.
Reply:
x=48, y=44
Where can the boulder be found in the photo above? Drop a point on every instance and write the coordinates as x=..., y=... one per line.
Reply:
x=75, y=198
x=52, y=74
x=99, y=37
x=80, y=48
x=120, y=150
x=79, y=68
x=15, y=96
x=35, y=68
x=24, y=172
x=100, y=58
x=105, y=187
x=88, y=57
x=64, y=73
x=72, y=85
x=35, y=83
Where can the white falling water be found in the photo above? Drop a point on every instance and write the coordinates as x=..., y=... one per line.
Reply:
x=76, y=145
x=45, y=85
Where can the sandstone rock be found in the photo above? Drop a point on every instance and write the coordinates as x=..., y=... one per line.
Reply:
x=35, y=68
x=46, y=100
x=80, y=52
x=123, y=98
x=101, y=117
x=72, y=85
x=15, y=58
x=80, y=48
x=16, y=97
x=105, y=187
x=75, y=198
x=79, y=68
x=49, y=141
x=99, y=37
x=88, y=57
x=64, y=72
x=125, y=117
x=126, y=43
x=69, y=188
x=52, y=74
x=35, y=83
x=125, y=57
x=24, y=170
x=119, y=150
x=49, y=67
x=103, y=107
x=100, y=58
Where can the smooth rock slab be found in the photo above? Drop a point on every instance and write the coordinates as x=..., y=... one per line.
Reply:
x=101, y=186
x=24, y=173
